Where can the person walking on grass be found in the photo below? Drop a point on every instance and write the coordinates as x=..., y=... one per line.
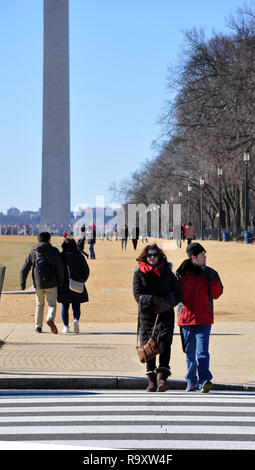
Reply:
x=156, y=291
x=124, y=237
x=48, y=275
x=92, y=239
x=135, y=236
x=189, y=232
x=81, y=241
x=199, y=285
x=75, y=267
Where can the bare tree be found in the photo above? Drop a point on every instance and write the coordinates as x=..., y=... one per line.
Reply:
x=208, y=125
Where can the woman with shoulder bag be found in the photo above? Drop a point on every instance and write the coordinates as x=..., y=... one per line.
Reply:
x=76, y=269
x=156, y=291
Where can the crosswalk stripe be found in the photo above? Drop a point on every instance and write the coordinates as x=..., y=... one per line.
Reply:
x=155, y=398
x=108, y=418
x=159, y=408
x=155, y=444
x=94, y=446
x=132, y=429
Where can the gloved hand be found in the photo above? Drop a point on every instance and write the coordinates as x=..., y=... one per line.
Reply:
x=145, y=300
x=160, y=305
x=170, y=298
x=210, y=273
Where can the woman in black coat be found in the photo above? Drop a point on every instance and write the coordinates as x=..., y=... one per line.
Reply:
x=156, y=290
x=79, y=271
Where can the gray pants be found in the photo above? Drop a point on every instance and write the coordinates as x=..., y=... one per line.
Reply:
x=123, y=244
x=51, y=297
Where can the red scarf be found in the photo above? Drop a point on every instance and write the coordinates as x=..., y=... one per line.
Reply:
x=148, y=269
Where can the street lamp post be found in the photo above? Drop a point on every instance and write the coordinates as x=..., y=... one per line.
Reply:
x=246, y=157
x=189, y=190
x=202, y=182
x=179, y=224
x=219, y=175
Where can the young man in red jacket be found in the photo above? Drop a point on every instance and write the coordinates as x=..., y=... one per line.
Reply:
x=200, y=285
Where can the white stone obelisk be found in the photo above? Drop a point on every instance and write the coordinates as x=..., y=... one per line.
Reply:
x=55, y=200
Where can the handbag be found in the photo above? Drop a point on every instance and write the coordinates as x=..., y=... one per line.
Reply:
x=150, y=349
x=75, y=286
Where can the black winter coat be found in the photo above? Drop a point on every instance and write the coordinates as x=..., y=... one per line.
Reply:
x=81, y=242
x=53, y=257
x=79, y=271
x=146, y=284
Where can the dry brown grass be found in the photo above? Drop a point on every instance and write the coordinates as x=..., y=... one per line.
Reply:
x=110, y=282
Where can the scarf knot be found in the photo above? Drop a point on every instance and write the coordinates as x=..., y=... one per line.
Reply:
x=147, y=269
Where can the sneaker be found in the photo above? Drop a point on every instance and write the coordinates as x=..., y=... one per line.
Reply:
x=206, y=387
x=52, y=326
x=191, y=388
x=66, y=329
x=76, y=327
x=38, y=329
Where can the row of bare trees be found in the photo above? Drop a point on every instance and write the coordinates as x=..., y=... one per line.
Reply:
x=207, y=125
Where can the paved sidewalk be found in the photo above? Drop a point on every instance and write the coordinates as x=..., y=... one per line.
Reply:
x=103, y=355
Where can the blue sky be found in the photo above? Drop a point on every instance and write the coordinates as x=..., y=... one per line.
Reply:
x=120, y=51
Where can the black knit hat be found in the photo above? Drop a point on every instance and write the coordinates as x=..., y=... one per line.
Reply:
x=194, y=249
x=44, y=237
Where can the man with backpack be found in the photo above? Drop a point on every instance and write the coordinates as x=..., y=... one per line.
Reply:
x=48, y=274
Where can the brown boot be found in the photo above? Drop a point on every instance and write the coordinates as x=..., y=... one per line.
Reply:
x=152, y=378
x=162, y=375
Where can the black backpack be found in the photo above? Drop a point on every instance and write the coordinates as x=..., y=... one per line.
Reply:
x=43, y=267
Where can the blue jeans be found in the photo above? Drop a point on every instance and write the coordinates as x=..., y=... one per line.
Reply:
x=65, y=312
x=91, y=250
x=196, y=341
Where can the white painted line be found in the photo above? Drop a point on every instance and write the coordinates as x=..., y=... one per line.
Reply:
x=97, y=408
x=129, y=417
x=202, y=398
x=128, y=429
x=153, y=444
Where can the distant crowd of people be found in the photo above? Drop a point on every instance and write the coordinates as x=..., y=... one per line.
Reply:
x=61, y=277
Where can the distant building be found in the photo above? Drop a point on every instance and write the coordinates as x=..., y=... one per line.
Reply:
x=15, y=217
x=13, y=211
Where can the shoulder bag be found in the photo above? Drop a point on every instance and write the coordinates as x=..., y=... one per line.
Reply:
x=75, y=286
x=150, y=349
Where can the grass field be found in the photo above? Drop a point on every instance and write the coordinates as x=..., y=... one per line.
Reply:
x=110, y=282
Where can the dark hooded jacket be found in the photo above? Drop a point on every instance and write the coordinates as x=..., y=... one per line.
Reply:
x=54, y=259
x=79, y=271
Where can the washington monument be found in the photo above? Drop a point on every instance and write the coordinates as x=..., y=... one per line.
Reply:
x=55, y=201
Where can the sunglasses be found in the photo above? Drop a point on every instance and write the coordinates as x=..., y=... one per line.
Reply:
x=149, y=255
